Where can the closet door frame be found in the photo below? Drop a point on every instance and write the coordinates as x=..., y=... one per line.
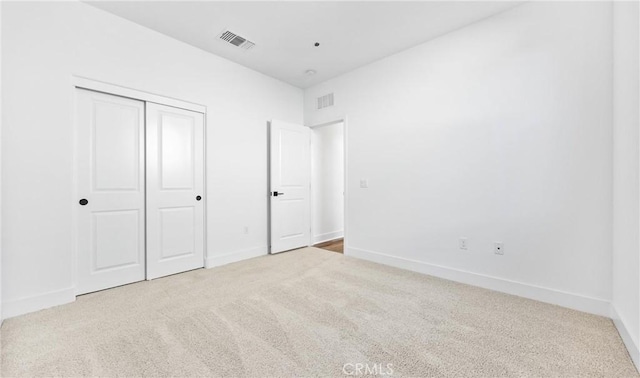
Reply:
x=79, y=82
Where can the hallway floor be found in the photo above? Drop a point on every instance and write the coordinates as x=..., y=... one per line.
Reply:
x=336, y=245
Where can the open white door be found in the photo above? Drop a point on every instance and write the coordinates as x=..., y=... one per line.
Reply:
x=290, y=167
x=110, y=237
x=175, y=190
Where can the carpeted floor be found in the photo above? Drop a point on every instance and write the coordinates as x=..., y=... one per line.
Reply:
x=308, y=313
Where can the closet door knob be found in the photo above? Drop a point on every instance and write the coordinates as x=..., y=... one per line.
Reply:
x=198, y=198
x=83, y=201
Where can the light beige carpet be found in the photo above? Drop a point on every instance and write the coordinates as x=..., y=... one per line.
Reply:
x=308, y=313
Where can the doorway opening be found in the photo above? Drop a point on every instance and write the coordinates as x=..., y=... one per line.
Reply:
x=328, y=186
x=307, y=186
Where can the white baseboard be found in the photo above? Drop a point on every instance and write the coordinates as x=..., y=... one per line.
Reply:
x=37, y=302
x=570, y=300
x=228, y=258
x=328, y=236
x=26, y=305
x=632, y=347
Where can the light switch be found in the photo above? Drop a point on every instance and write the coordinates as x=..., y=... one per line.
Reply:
x=364, y=183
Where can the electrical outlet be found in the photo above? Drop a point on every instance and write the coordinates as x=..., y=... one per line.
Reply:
x=364, y=183
x=245, y=230
x=498, y=248
x=462, y=243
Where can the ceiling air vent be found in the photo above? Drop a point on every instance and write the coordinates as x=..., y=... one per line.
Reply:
x=325, y=101
x=236, y=40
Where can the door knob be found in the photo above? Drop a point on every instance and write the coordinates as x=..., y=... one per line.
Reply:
x=83, y=201
x=198, y=198
x=275, y=194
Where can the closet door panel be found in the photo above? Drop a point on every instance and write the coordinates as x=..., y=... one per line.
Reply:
x=177, y=152
x=175, y=190
x=110, y=234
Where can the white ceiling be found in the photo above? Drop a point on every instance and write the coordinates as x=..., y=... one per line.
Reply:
x=351, y=34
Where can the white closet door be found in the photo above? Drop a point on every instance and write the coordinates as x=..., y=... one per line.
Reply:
x=175, y=190
x=110, y=178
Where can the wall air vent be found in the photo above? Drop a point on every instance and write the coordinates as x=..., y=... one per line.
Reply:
x=325, y=101
x=236, y=40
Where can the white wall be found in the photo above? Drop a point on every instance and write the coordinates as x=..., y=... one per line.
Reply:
x=1, y=318
x=500, y=131
x=626, y=175
x=327, y=182
x=43, y=45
